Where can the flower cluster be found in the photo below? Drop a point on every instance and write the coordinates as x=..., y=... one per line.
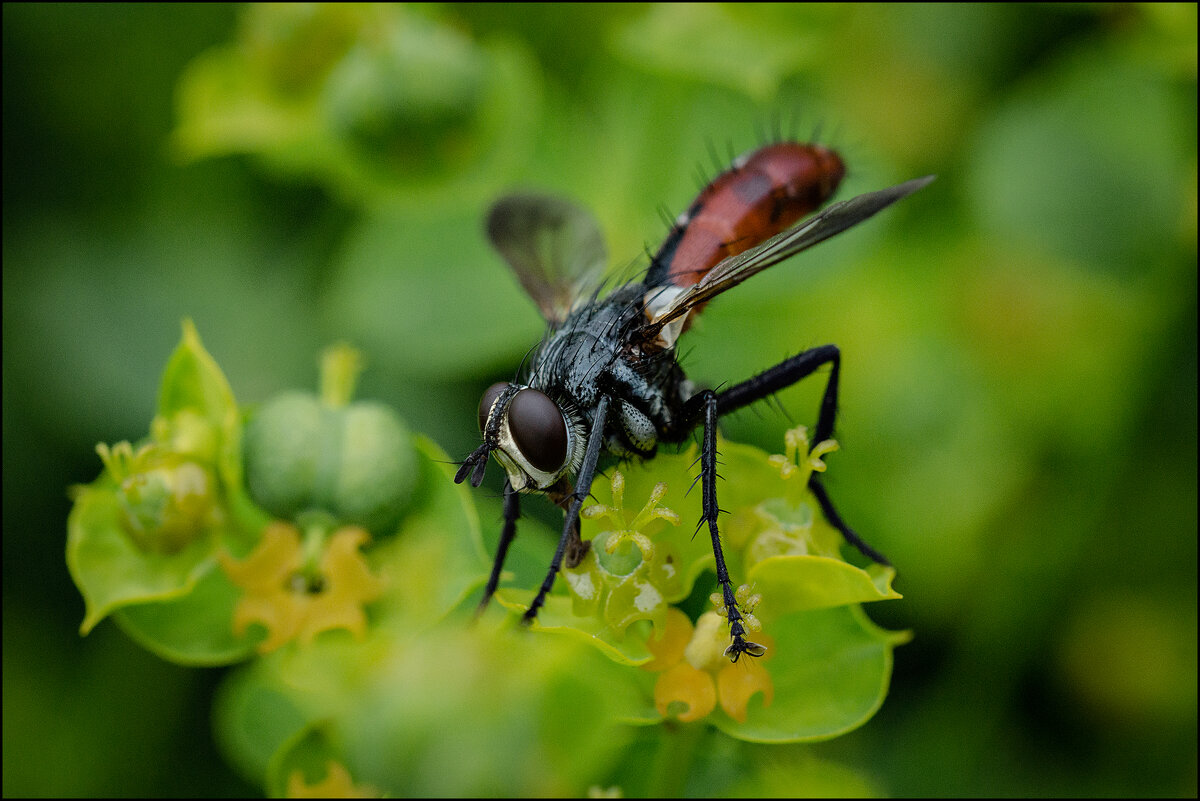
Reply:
x=774, y=535
x=695, y=674
x=297, y=595
x=167, y=500
x=786, y=523
x=153, y=543
x=626, y=576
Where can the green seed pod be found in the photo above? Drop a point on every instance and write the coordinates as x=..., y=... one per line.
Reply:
x=355, y=462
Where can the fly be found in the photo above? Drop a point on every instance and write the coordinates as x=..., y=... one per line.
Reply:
x=606, y=377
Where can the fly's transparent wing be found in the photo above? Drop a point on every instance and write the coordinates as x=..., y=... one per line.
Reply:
x=556, y=249
x=735, y=269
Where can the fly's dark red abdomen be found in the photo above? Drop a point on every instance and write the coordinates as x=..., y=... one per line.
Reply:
x=762, y=194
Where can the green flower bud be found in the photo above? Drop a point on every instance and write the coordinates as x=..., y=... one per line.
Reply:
x=167, y=501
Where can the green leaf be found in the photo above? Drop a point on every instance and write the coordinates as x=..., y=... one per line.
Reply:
x=194, y=629
x=198, y=419
x=111, y=571
x=192, y=381
x=400, y=710
x=383, y=104
x=830, y=668
x=309, y=756
x=193, y=384
x=558, y=617
x=194, y=387
x=796, y=772
x=709, y=42
x=801, y=583
x=254, y=716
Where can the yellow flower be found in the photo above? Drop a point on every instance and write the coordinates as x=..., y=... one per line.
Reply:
x=790, y=523
x=696, y=674
x=295, y=603
x=626, y=576
x=336, y=784
x=798, y=459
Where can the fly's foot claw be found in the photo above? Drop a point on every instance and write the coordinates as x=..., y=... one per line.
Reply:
x=741, y=646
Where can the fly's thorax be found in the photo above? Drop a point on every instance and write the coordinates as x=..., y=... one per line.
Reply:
x=535, y=438
x=538, y=429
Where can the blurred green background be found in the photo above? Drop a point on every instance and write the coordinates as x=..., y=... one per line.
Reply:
x=1019, y=379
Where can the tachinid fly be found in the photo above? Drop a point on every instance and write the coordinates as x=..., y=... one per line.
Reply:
x=606, y=376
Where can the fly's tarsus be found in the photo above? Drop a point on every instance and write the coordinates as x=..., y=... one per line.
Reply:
x=741, y=646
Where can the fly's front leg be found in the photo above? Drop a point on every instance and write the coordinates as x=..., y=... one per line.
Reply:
x=563, y=495
x=583, y=486
x=512, y=511
x=784, y=375
x=709, y=512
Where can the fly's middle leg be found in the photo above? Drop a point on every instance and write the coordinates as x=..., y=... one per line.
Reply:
x=512, y=511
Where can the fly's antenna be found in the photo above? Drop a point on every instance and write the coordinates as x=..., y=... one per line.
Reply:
x=474, y=465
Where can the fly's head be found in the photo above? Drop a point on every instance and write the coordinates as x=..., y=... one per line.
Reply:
x=534, y=438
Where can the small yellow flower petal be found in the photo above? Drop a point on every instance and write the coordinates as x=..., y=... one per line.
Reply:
x=618, y=489
x=684, y=684
x=783, y=464
x=798, y=459
x=348, y=586
x=279, y=613
x=263, y=577
x=336, y=784
x=290, y=610
x=639, y=540
x=738, y=682
x=668, y=649
x=276, y=557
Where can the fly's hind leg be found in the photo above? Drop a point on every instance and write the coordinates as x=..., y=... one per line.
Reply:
x=709, y=512
x=784, y=375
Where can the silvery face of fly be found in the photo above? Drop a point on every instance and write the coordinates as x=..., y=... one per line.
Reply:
x=606, y=378
x=537, y=443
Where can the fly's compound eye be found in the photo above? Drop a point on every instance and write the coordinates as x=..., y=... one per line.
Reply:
x=485, y=403
x=539, y=430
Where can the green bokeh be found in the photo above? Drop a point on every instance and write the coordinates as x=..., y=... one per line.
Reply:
x=1018, y=421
